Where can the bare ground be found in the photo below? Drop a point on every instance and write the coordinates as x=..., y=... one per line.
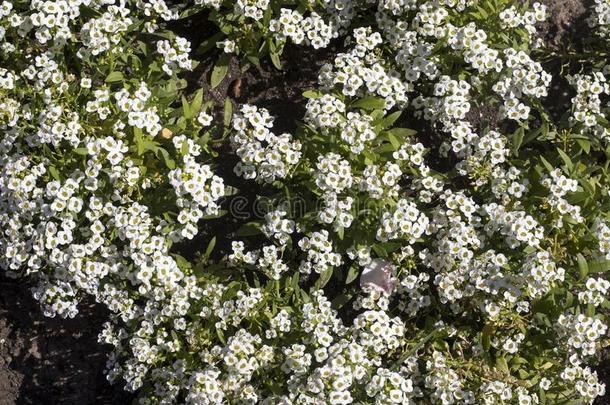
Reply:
x=51, y=361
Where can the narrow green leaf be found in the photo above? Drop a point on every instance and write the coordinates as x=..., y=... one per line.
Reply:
x=220, y=70
x=369, y=103
x=583, y=267
x=352, y=273
x=325, y=277
x=312, y=94
x=210, y=248
x=228, y=112
x=210, y=43
x=599, y=266
x=54, y=173
x=566, y=159
x=518, y=139
x=114, y=77
x=197, y=102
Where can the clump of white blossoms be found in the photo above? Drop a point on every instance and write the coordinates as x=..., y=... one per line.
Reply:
x=175, y=55
x=406, y=222
x=559, y=186
x=360, y=71
x=138, y=114
x=198, y=189
x=264, y=155
x=582, y=332
x=602, y=233
x=325, y=112
x=511, y=17
x=251, y=8
x=587, y=104
x=522, y=77
x=600, y=18
x=336, y=211
x=320, y=255
x=333, y=173
x=311, y=30
x=595, y=292
x=277, y=226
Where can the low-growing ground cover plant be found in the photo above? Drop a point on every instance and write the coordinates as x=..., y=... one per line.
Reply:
x=411, y=249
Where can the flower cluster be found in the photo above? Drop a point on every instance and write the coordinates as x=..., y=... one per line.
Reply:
x=320, y=255
x=600, y=18
x=311, y=30
x=595, y=292
x=512, y=18
x=251, y=8
x=582, y=332
x=175, y=55
x=264, y=155
x=333, y=173
x=587, y=104
x=405, y=222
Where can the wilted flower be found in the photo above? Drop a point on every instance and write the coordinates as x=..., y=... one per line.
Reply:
x=378, y=275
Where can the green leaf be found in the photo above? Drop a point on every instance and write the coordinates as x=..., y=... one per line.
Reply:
x=210, y=248
x=114, y=77
x=380, y=251
x=394, y=141
x=584, y=144
x=210, y=43
x=181, y=262
x=137, y=133
x=389, y=120
x=502, y=365
x=486, y=336
x=566, y=159
x=546, y=164
x=228, y=112
x=54, y=173
x=340, y=301
x=197, y=102
x=518, y=139
x=401, y=133
x=81, y=151
x=599, y=266
x=590, y=310
x=275, y=59
x=583, y=267
x=220, y=70
x=312, y=94
x=186, y=109
x=352, y=273
x=221, y=336
x=169, y=162
x=249, y=229
x=325, y=277
x=369, y=103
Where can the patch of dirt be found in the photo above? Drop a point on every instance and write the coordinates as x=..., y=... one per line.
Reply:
x=51, y=361
x=566, y=23
x=280, y=91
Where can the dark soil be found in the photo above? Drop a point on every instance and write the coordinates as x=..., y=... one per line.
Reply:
x=47, y=361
